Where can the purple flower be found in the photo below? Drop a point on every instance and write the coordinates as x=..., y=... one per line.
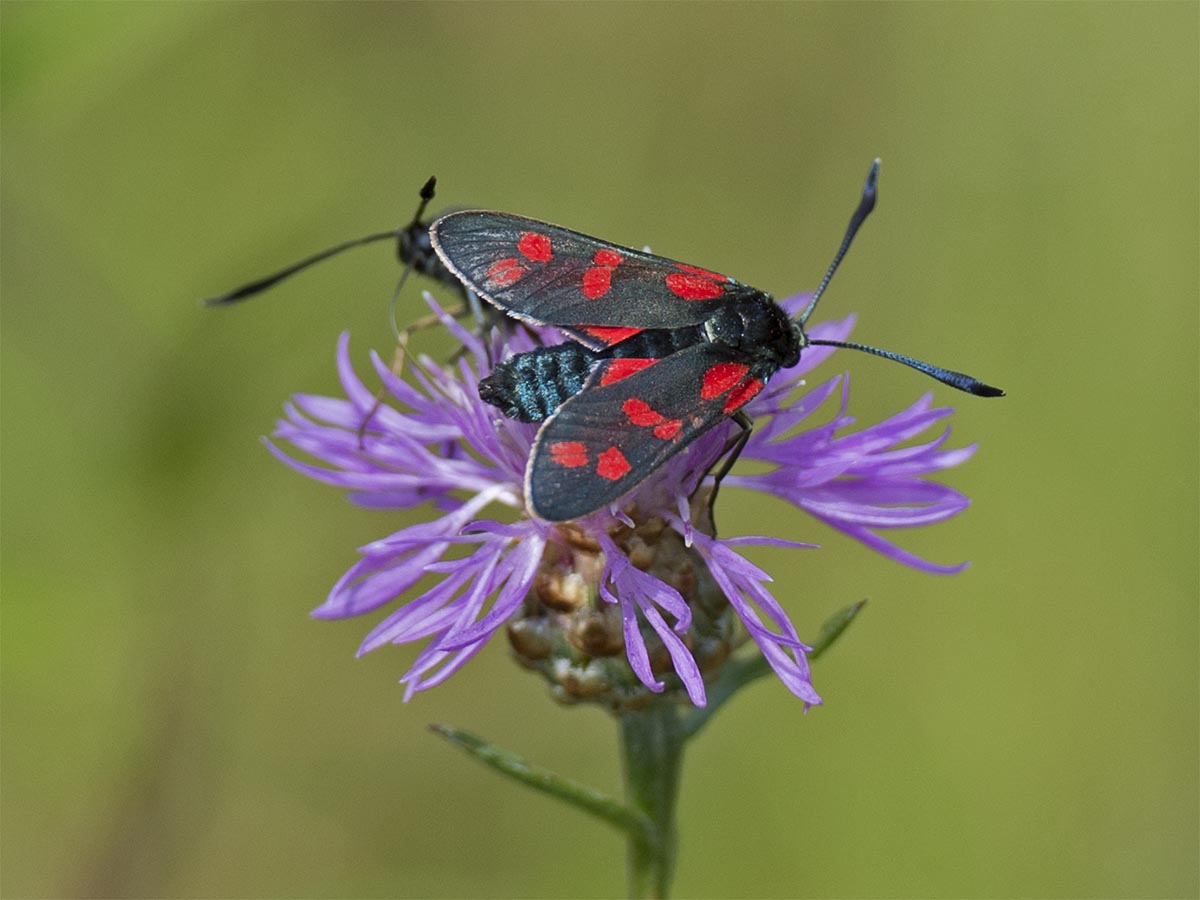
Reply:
x=611, y=606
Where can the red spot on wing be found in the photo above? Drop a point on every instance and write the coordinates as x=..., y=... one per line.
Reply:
x=618, y=369
x=535, y=247
x=716, y=276
x=612, y=464
x=668, y=429
x=504, y=272
x=609, y=335
x=720, y=378
x=639, y=412
x=743, y=394
x=693, y=287
x=570, y=454
x=597, y=281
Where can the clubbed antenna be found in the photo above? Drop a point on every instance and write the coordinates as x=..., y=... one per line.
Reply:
x=945, y=376
x=865, y=205
x=269, y=281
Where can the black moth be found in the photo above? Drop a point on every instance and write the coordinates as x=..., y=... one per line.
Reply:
x=660, y=351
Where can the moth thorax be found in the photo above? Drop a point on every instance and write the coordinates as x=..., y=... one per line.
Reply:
x=416, y=249
x=756, y=326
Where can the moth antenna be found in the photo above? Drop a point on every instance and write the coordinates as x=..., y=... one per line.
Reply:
x=945, y=376
x=427, y=192
x=261, y=284
x=269, y=281
x=865, y=205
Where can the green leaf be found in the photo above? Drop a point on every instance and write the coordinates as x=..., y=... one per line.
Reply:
x=584, y=798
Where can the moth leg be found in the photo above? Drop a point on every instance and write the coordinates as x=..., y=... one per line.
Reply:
x=398, y=359
x=729, y=456
x=476, y=311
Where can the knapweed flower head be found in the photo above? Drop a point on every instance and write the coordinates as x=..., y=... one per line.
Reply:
x=629, y=601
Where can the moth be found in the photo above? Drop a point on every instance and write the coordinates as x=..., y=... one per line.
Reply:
x=659, y=351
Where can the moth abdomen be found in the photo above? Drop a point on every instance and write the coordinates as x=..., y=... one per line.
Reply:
x=530, y=386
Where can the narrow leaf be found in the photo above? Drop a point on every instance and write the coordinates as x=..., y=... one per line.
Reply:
x=580, y=796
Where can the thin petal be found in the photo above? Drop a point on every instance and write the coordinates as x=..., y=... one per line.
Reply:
x=890, y=550
x=400, y=625
x=681, y=657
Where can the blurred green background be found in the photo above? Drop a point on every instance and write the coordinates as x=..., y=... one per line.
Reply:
x=173, y=722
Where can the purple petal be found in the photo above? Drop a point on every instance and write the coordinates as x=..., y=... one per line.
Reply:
x=681, y=657
x=748, y=540
x=356, y=391
x=837, y=503
x=784, y=652
x=637, y=591
x=394, y=564
x=516, y=576
x=891, y=551
x=785, y=418
x=400, y=625
x=922, y=464
x=635, y=646
x=430, y=658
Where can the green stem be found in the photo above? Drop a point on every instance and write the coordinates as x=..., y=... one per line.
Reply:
x=652, y=755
